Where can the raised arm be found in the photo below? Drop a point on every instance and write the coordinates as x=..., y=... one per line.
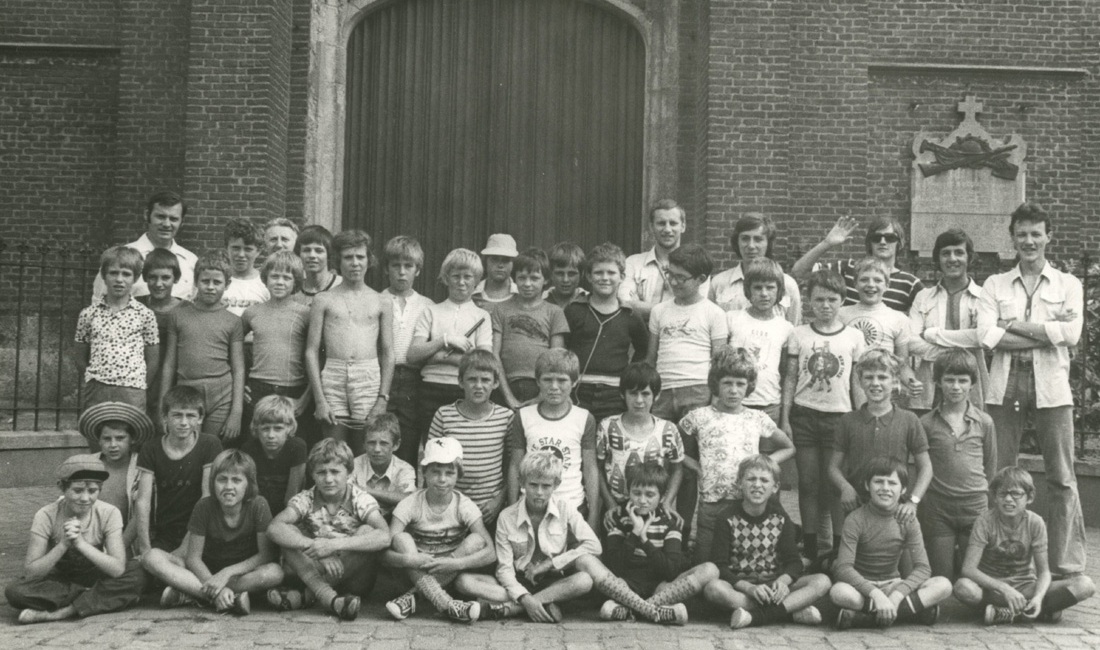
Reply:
x=840, y=233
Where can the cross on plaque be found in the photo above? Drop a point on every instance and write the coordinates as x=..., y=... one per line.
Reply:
x=970, y=108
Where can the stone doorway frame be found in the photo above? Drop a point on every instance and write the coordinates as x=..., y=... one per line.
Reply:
x=331, y=25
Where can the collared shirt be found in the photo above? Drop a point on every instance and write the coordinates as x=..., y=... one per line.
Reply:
x=727, y=290
x=184, y=288
x=398, y=476
x=862, y=437
x=1004, y=297
x=930, y=335
x=404, y=321
x=480, y=299
x=516, y=541
x=644, y=280
x=963, y=462
x=316, y=522
x=449, y=318
x=117, y=342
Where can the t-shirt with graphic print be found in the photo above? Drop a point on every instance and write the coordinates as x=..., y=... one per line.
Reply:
x=315, y=521
x=525, y=333
x=883, y=328
x=724, y=440
x=765, y=340
x=684, y=336
x=825, y=363
x=437, y=531
x=619, y=450
x=1007, y=551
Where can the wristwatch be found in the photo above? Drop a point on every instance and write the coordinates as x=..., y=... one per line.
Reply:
x=384, y=396
x=914, y=499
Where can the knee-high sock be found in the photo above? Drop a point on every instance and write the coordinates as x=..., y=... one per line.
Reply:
x=1058, y=599
x=616, y=588
x=676, y=591
x=430, y=588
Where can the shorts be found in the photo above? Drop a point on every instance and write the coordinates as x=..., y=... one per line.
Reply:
x=217, y=400
x=771, y=410
x=941, y=516
x=886, y=586
x=673, y=404
x=643, y=585
x=351, y=387
x=1023, y=584
x=813, y=428
x=706, y=520
x=542, y=582
x=524, y=388
x=601, y=400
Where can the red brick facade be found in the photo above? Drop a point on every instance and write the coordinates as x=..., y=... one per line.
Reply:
x=805, y=110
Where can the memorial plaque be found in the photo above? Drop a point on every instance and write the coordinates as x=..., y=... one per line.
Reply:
x=968, y=180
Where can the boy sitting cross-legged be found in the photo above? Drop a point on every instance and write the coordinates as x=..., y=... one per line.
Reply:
x=379, y=472
x=76, y=562
x=645, y=546
x=438, y=535
x=869, y=588
x=544, y=546
x=755, y=548
x=1006, y=566
x=330, y=535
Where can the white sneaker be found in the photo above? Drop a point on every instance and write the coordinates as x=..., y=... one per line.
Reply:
x=808, y=616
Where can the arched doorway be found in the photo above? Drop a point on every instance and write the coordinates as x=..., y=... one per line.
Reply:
x=468, y=118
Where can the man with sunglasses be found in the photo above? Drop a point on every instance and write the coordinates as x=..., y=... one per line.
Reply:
x=1030, y=317
x=884, y=239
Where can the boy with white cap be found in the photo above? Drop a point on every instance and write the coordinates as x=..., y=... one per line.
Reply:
x=437, y=535
x=497, y=286
x=76, y=561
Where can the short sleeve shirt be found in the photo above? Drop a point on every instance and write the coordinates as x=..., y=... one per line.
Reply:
x=619, y=450
x=882, y=327
x=863, y=437
x=273, y=474
x=117, y=342
x=203, y=339
x=398, y=476
x=278, y=342
x=224, y=545
x=315, y=520
x=49, y=525
x=568, y=437
x=437, y=532
x=525, y=333
x=766, y=340
x=242, y=294
x=178, y=482
x=1008, y=552
x=725, y=439
x=901, y=289
x=449, y=318
x=825, y=363
x=684, y=335
x=482, y=448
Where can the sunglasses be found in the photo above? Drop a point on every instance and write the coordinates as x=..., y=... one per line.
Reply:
x=888, y=237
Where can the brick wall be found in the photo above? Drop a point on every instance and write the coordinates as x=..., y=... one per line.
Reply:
x=60, y=21
x=297, y=109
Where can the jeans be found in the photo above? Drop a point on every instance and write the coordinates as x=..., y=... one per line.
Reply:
x=1054, y=429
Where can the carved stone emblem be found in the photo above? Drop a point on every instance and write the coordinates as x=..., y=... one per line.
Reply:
x=967, y=179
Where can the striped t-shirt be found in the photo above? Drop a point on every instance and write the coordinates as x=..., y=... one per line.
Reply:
x=482, y=448
x=901, y=290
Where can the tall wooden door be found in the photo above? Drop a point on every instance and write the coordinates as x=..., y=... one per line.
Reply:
x=470, y=117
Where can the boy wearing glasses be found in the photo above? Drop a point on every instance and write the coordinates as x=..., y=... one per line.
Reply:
x=1006, y=565
x=684, y=333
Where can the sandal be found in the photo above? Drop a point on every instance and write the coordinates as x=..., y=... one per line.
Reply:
x=349, y=611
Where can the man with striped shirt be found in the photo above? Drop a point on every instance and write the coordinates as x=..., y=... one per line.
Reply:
x=481, y=427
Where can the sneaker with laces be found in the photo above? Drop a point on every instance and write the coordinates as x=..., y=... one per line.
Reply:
x=809, y=616
x=672, y=614
x=998, y=615
x=929, y=615
x=740, y=618
x=613, y=611
x=401, y=607
x=172, y=598
x=463, y=611
x=495, y=611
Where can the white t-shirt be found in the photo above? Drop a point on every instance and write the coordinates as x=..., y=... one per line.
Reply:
x=766, y=340
x=825, y=363
x=882, y=326
x=684, y=334
x=242, y=294
x=452, y=319
x=566, y=436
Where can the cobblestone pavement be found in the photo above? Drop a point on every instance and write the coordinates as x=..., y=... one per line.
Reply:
x=149, y=627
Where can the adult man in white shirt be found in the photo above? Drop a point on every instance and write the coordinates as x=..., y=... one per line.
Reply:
x=1030, y=317
x=644, y=282
x=164, y=213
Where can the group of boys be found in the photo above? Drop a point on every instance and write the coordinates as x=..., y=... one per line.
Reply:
x=550, y=427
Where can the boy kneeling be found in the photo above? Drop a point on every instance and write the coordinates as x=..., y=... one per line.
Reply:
x=330, y=535
x=755, y=548
x=437, y=534
x=76, y=562
x=998, y=569
x=869, y=588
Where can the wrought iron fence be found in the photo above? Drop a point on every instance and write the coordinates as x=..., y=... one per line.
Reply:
x=43, y=287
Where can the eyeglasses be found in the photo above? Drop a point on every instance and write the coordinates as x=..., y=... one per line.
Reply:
x=678, y=278
x=1016, y=495
x=888, y=237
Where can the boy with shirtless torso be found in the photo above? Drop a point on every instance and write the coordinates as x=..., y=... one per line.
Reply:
x=355, y=326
